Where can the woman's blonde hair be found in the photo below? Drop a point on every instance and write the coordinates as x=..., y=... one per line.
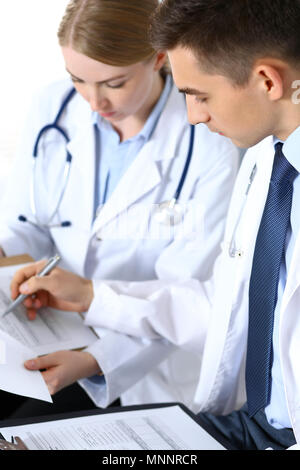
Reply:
x=114, y=32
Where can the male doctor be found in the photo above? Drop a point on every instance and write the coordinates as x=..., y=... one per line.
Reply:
x=238, y=64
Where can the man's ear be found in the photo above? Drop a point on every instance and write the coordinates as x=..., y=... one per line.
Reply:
x=271, y=80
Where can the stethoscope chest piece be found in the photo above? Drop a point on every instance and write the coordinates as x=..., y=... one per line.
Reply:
x=169, y=213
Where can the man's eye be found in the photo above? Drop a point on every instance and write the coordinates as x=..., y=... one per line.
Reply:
x=200, y=100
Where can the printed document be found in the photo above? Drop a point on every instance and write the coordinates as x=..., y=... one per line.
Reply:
x=168, y=428
x=52, y=330
x=14, y=378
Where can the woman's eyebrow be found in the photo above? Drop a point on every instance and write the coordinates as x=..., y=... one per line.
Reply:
x=103, y=81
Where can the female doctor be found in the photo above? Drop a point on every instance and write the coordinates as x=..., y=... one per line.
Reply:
x=96, y=201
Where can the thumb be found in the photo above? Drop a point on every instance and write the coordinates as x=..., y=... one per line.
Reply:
x=39, y=363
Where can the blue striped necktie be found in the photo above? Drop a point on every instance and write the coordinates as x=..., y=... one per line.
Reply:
x=268, y=255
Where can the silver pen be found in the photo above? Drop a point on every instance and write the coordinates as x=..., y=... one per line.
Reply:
x=46, y=270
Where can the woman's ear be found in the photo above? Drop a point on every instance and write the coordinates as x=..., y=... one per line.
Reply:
x=160, y=60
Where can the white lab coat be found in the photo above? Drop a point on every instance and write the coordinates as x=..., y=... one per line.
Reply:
x=221, y=387
x=222, y=381
x=93, y=249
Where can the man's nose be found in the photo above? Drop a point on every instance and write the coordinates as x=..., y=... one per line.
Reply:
x=196, y=112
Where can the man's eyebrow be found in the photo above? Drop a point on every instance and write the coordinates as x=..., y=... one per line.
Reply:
x=103, y=81
x=191, y=91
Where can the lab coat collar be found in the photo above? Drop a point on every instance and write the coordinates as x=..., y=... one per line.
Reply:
x=171, y=125
x=145, y=173
x=82, y=149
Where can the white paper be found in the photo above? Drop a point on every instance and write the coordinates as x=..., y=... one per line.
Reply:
x=168, y=428
x=51, y=331
x=14, y=378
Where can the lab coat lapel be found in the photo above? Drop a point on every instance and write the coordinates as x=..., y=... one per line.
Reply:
x=231, y=281
x=140, y=178
x=145, y=173
x=293, y=279
x=82, y=149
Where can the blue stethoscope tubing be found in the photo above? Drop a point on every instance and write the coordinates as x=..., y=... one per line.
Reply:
x=48, y=127
x=187, y=164
x=68, y=161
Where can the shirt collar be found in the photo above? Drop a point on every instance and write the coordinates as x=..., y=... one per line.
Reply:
x=291, y=148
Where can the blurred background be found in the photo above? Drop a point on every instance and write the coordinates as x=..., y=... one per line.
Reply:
x=30, y=58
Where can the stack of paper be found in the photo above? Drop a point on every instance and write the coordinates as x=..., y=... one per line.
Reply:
x=22, y=339
x=168, y=428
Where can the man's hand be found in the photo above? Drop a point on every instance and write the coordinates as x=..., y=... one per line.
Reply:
x=60, y=289
x=64, y=368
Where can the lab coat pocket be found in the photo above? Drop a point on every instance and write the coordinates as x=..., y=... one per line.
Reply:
x=183, y=373
x=184, y=220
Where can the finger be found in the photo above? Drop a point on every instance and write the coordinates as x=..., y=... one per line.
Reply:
x=20, y=443
x=22, y=275
x=44, y=362
x=35, y=284
x=32, y=364
x=33, y=301
x=31, y=314
x=52, y=381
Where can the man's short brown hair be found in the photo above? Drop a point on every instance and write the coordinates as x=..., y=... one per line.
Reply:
x=228, y=36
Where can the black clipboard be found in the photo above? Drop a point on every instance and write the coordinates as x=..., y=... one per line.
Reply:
x=98, y=411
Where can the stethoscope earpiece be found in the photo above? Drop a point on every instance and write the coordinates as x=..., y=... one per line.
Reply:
x=67, y=223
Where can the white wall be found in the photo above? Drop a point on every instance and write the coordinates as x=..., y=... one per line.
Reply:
x=30, y=58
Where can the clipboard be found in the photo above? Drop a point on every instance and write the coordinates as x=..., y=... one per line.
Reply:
x=15, y=260
x=77, y=414
x=23, y=259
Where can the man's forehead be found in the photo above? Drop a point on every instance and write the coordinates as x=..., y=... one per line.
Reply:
x=187, y=72
x=191, y=76
x=183, y=54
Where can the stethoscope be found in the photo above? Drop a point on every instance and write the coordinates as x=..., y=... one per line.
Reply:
x=233, y=251
x=66, y=174
x=167, y=212
x=171, y=212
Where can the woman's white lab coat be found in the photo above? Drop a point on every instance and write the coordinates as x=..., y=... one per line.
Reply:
x=221, y=387
x=125, y=243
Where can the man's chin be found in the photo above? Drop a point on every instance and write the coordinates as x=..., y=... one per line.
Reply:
x=238, y=143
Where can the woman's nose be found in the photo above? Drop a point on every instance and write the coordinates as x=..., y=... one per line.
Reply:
x=97, y=100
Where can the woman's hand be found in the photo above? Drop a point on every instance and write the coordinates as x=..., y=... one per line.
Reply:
x=59, y=289
x=63, y=368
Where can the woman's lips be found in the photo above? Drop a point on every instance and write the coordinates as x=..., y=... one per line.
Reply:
x=107, y=115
